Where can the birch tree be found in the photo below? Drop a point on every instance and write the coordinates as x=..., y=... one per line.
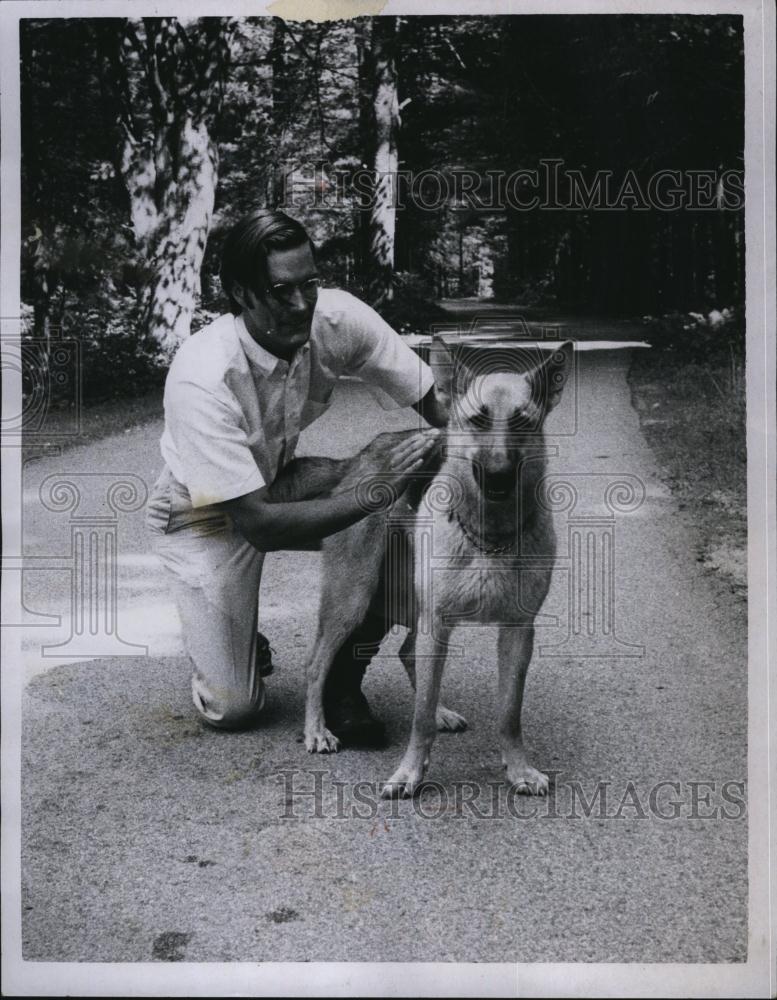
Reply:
x=167, y=77
x=385, y=160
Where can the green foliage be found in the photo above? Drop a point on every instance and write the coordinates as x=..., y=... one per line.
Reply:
x=115, y=364
x=691, y=400
x=694, y=337
x=484, y=94
x=115, y=361
x=412, y=308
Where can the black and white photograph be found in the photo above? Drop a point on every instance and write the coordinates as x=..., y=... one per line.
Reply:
x=388, y=498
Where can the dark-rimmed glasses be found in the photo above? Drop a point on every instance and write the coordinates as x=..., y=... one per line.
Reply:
x=284, y=291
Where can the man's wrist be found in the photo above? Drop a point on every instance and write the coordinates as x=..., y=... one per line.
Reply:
x=433, y=408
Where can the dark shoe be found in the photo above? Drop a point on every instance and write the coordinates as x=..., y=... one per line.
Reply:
x=346, y=711
x=348, y=717
x=264, y=663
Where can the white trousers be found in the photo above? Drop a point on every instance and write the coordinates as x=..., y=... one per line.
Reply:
x=214, y=574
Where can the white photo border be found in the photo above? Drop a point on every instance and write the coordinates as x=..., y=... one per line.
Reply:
x=753, y=978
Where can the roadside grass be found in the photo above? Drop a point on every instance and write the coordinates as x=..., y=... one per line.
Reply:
x=692, y=412
x=99, y=420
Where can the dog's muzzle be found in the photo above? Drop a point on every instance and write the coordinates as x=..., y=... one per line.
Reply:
x=495, y=486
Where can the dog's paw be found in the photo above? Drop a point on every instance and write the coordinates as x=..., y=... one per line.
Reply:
x=449, y=721
x=528, y=780
x=403, y=783
x=321, y=742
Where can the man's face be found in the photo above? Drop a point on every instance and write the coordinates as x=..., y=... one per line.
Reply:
x=281, y=320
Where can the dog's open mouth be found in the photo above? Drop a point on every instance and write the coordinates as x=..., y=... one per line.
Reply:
x=495, y=486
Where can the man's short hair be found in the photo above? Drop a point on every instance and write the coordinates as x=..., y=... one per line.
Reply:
x=247, y=245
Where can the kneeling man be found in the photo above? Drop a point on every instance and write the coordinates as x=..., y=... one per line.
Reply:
x=237, y=396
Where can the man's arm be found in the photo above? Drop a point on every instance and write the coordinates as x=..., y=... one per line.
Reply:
x=378, y=355
x=433, y=408
x=270, y=526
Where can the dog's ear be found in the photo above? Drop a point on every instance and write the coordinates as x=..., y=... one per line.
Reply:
x=549, y=378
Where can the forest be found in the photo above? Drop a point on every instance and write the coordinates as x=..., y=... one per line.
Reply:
x=587, y=163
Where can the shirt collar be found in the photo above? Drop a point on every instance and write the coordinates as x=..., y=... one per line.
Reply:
x=256, y=354
x=259, y=356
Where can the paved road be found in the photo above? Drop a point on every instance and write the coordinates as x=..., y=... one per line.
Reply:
x=147, y=836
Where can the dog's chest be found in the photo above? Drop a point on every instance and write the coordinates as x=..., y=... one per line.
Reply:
x=461, y=582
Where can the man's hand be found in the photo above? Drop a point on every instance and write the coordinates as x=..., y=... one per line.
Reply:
x=381, y=474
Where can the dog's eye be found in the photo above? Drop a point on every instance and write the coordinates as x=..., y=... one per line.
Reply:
x=481, y=421
x=519, y=422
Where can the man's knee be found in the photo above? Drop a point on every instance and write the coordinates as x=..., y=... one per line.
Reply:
x=226, y=708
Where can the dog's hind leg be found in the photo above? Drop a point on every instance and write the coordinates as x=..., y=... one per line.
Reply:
x=514, y=650
x=346, y=710
x=330, y=637
x=447, y=720
x=430, y=655
x=349, y=585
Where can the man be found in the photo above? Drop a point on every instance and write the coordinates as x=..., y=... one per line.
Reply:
x=237, y=395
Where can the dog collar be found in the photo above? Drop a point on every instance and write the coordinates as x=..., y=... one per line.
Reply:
x=493, y=550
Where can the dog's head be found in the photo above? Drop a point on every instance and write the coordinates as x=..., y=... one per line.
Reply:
x=497, y=418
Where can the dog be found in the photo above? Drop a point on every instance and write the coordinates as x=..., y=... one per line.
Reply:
x=477, y=506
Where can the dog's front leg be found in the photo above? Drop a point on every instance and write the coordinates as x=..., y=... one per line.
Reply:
x=514, y=652
x=447, y=720
x=429, y=658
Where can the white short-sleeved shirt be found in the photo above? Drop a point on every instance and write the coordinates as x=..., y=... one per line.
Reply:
x=234, y=412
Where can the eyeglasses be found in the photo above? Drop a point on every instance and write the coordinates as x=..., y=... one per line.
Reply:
x=284, y=291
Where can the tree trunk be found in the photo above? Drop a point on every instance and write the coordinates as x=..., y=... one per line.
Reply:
x=276, y=181
x=382, y=224
x=180, y=240
x=42, y=291
x=363, y=36
x=168, y=162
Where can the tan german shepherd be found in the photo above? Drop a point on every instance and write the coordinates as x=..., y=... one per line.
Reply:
x=477, y=510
